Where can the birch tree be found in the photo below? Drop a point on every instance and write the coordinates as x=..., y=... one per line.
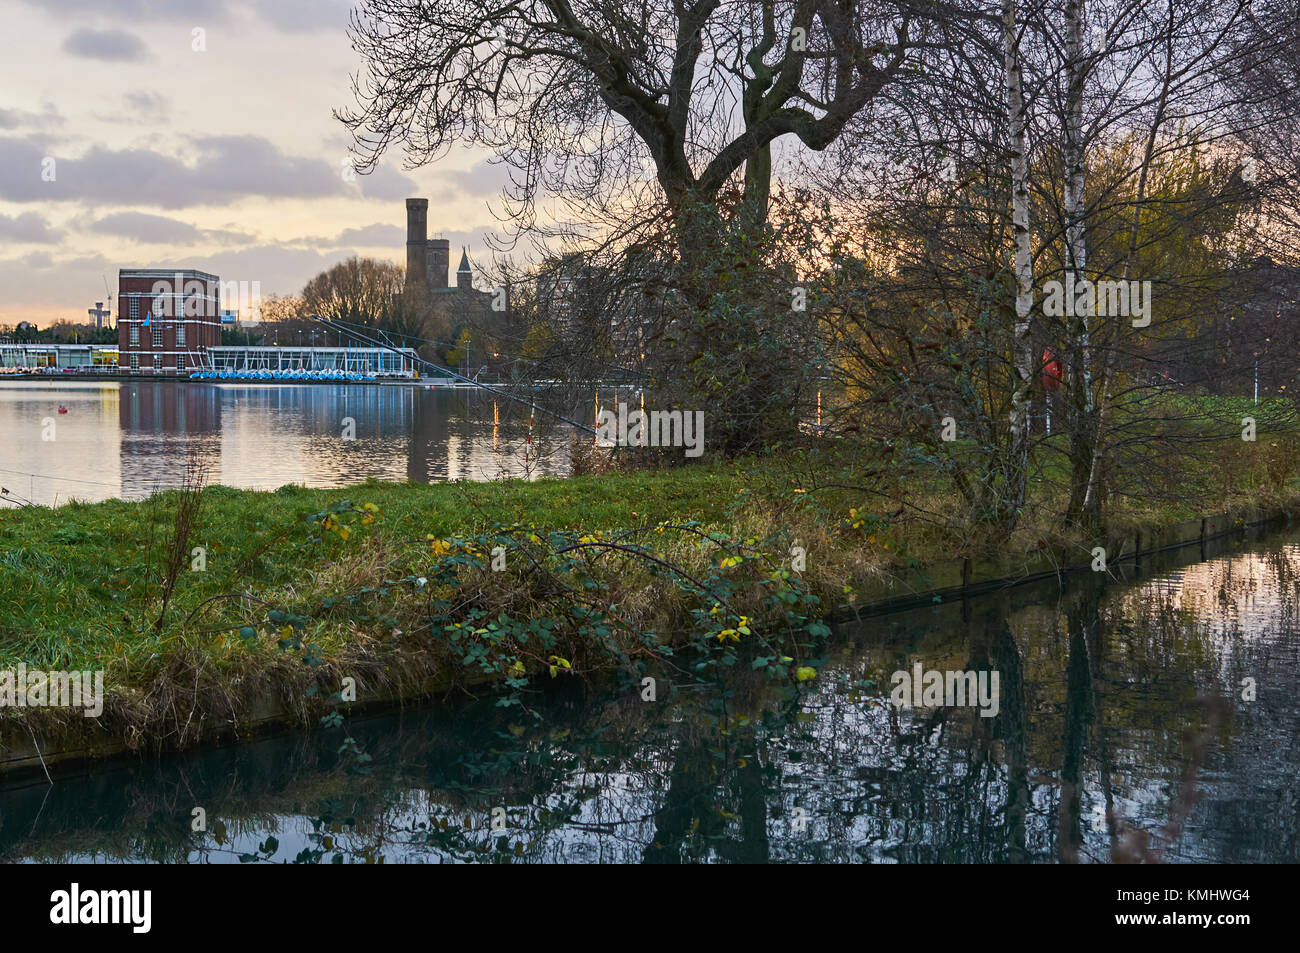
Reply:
x=1023, y=356
x=1155, y=82
x=1076, y=259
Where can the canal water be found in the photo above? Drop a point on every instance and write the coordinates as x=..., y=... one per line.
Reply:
x=63, y=440
x=1150, y=718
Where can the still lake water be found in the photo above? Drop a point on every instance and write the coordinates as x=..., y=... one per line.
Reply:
x=128, y=439
x=1121, y=710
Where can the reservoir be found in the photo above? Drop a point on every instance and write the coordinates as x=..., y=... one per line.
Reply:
x=63, y=440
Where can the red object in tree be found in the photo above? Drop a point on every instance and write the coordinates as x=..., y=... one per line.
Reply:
x=1053, y=372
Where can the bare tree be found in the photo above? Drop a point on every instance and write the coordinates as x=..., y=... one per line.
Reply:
x=583, y=99
x=366, y=293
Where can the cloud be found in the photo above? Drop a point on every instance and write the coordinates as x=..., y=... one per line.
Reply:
x=483, y=178
x=141, y=227
x=73, y=284
x=159, y=229
x=30, y=281
x=391, y=237
x=249, y=165
x=472, y=239
x=45, y=287
x=277, y=269
x=227, y=236
x=304, y=16
x=222, y=169
x=114, y=46
x=379, y=234
x=27, y=227
x=14, y=118
x=286, y=16
x=218, y=169
x=386, y=183
x=143, y=105
x=135, y=11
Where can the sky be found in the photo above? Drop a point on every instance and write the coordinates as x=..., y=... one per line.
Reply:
x=196, y=134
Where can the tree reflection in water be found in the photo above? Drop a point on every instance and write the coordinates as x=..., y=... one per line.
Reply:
x=1121, y=735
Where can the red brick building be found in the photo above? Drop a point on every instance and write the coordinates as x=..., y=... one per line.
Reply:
x=166, y=320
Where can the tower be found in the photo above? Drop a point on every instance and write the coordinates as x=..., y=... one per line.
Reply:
x=464, y=274
x=438, y=263
x=98, y=313
x=417, y=272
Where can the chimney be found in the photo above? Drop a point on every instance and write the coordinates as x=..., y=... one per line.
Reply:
x=464, y=274
x=417, y=214
x=439, y=262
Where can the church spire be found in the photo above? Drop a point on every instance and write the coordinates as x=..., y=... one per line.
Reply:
x=464, y=274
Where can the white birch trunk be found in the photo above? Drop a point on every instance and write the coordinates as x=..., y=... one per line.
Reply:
x=1022, y=350
x=1075, y=217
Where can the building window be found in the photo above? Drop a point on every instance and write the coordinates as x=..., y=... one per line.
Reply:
x=135, y=362
x=157, y=335
x=135, y=328
x=180, y=362
x=180, y=334
x=135, y=309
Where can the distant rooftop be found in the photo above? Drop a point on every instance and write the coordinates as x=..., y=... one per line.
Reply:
x=166, y=273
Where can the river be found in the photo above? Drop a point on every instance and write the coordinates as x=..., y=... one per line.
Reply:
x=1127, y=729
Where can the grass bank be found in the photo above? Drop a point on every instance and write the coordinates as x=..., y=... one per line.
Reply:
x=207, y=611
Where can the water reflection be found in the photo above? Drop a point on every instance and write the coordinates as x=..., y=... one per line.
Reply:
x=128, y=439
x=1122, y=734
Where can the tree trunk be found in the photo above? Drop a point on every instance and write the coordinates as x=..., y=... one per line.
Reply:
x=1092, y=496
x=1082, y=436
x=758, y=185
x=1022, y=356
